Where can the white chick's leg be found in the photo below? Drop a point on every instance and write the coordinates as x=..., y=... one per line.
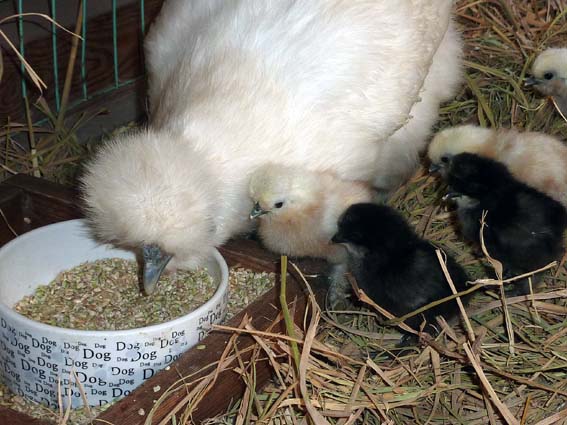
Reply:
x=522, y=286
x=398, y=158
x=340, y=291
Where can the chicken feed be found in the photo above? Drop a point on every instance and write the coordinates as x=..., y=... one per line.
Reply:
x=105, y=295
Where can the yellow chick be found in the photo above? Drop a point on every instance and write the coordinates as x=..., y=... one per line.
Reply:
x=549, y=76
x=298, y=210
x=538, y=160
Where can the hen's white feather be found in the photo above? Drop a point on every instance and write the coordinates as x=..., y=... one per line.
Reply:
x=399, y=155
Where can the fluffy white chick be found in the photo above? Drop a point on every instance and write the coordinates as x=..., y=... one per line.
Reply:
x=536, y=159
x=549, y=76
x=298, y=210
x=314, y=84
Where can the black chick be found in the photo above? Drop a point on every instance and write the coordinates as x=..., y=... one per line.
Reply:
x=395, y=267
x=524, y=227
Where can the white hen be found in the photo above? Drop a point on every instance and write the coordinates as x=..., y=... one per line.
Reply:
x=318, y=84
x=299, y=210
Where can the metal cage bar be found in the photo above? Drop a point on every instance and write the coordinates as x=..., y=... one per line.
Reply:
x=22, y=48
x=54, y=55
x=115, y=44
x=143, y=17
x=84, y=52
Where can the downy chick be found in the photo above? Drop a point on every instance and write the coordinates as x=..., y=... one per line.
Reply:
x=395, y=267
x=524, y=227
x=298, y=209
x=549, y=76
x=536, y=159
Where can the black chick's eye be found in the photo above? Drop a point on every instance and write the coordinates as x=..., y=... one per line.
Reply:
x=445, y=159
x=549, y=75
x=278, y=205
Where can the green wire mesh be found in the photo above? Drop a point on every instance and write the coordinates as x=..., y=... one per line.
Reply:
x=85, y=95
x=22, y=50
x=115, y=44
x=84, y=52
x=55, y=58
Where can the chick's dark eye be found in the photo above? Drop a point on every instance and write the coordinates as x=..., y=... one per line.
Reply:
x=278, y=205
x=548, y=75
x=444, y=159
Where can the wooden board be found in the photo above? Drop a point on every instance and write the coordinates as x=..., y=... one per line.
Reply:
x=43, y=203
x=11, y=417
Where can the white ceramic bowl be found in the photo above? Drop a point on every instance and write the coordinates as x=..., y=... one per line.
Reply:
x=34, y=357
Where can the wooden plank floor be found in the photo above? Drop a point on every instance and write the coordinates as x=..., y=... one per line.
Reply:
x=11, y=417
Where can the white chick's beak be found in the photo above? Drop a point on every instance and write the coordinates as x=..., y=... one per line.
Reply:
x=532, y=81
x=337, y=238
x=155, y=261
x=449, y=196
x=434, y=168
x=257, y=211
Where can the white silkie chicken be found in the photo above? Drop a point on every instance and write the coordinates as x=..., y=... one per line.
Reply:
x=316, y=84
x=549, y=76
x=298, y=210
x=536, y=159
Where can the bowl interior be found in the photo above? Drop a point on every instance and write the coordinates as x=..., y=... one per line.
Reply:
x=36, y=258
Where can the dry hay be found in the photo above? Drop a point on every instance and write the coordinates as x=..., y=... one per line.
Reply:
x=51, y=148
x=512, y=369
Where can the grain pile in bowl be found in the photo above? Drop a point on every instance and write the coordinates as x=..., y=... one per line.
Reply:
x=105, y=295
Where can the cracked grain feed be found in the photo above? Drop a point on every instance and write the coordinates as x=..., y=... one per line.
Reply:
x=105, y=295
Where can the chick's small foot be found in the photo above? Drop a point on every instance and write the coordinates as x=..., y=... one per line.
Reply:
x=381, y=196
x=408, y=340
x=340, y=292
x=521, y=287
x=515, y=289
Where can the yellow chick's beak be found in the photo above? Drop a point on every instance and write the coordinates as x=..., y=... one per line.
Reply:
x=257, y=211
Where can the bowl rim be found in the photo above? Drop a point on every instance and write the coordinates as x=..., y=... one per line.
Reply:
x=13, y=315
